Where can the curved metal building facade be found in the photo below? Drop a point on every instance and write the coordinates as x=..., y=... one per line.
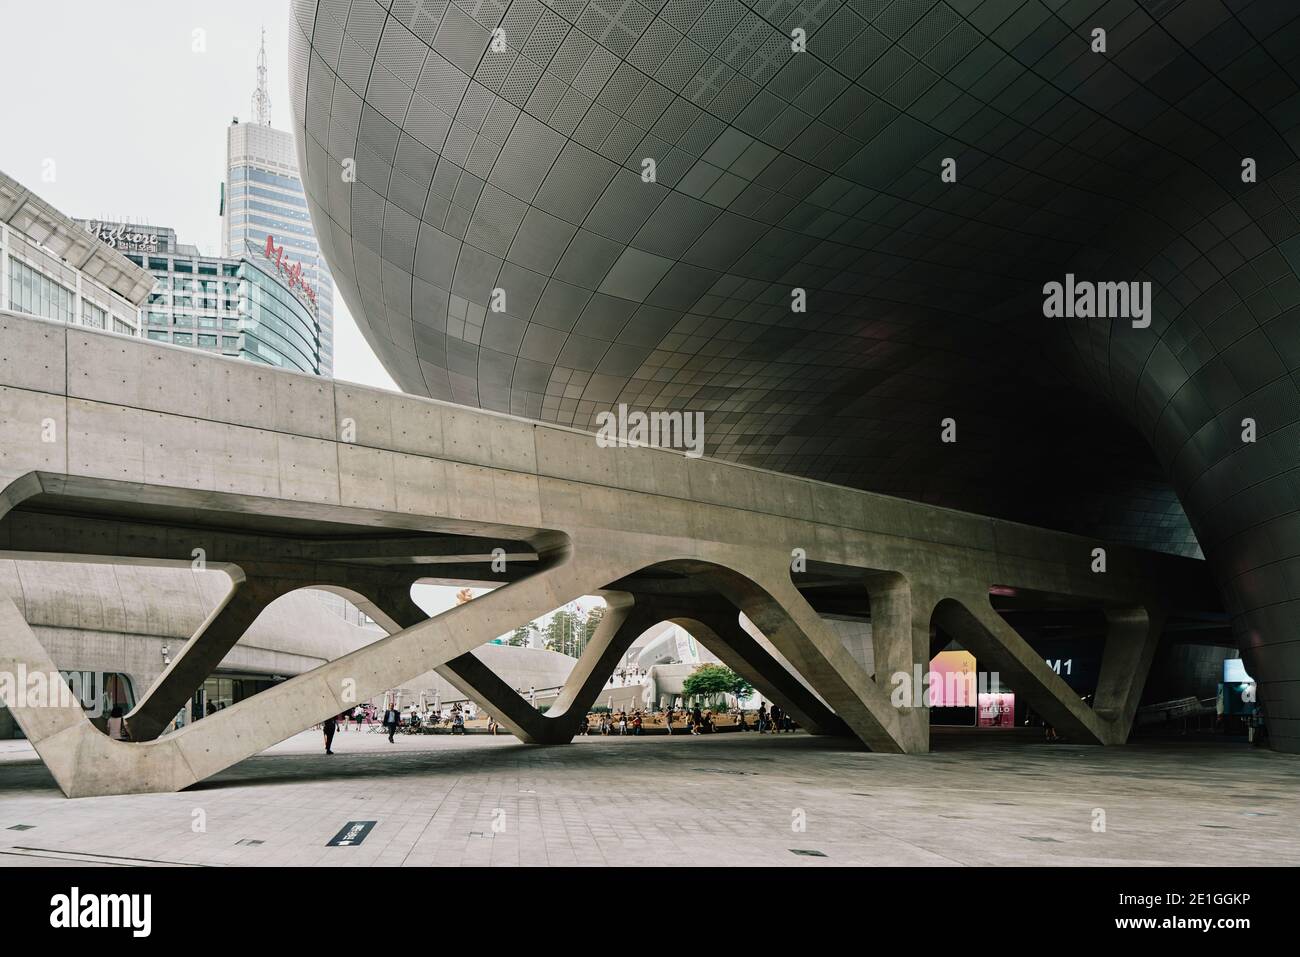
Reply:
x=477, y=176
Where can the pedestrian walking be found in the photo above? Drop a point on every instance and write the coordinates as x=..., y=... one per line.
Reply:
x=329, y=726
x=392, y=718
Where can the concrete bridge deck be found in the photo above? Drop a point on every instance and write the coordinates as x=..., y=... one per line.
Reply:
x=116, y=449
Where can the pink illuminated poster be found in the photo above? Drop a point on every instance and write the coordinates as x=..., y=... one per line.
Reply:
x=952, y=680
x=997, y=710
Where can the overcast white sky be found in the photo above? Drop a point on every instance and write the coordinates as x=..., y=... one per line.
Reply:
x=134, y=117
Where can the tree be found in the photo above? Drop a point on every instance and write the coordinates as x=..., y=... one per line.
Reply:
x=594, y=618
x=711, y=681
x=563, y=631
x=519, y=638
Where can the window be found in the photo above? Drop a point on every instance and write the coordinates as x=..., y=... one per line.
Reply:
x=208, y=342
x=35, y=293
x=183, y=266
x=158, y=335
x=123, y=327
x=183, y=339
x=93, y=315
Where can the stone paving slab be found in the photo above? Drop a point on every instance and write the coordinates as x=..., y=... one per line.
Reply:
x=733, y=799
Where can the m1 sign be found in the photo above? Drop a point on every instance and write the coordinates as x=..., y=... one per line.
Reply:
x=291, y=271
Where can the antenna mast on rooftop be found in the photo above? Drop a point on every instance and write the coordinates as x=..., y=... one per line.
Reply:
x=262, y=96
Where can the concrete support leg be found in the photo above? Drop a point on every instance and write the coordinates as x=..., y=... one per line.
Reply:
x=622, y=624
x=720, y=631
x=1132, y=635
x=201, y=655
x=796, y=630
x=625, y=621
x=900, y=636
x=998, y=647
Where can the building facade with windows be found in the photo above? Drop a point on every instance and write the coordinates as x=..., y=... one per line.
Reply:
x=257, y=305
x=50, y=268
x=262, y=198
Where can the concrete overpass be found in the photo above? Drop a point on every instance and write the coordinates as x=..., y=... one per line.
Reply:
x=114, y=449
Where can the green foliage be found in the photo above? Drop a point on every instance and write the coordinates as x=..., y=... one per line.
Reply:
x=714, y=680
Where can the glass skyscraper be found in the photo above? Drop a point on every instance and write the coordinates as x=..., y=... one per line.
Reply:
x=263, y=196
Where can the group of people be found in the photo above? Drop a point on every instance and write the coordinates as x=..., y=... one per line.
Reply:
x=392, y=723
x=775, y=720
x=696, y=719
x=613, y=723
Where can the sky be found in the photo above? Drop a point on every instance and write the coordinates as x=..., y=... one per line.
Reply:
x=130, y=100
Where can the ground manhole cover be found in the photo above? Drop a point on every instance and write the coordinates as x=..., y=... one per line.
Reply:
x=804, y=852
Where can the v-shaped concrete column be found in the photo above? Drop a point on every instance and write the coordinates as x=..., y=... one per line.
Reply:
x=1130, y=646
x=720, y=631
x=1132, y=636
x=765, y=593
x=200, y=656
x=623, y=623
x=84, y=761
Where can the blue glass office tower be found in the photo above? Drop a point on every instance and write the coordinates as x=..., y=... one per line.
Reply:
x=263, y=197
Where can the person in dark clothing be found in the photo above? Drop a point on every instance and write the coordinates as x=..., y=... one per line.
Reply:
x=392, y=718
x=776, y=713
x=329, y=726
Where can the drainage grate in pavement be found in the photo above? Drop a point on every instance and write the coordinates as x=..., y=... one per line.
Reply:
x=1218, y=827
x=804, y=852
x=1042, y=840
x=248, y=842
x=21, y=827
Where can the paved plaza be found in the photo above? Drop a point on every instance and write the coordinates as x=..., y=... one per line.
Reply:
x=711, y=800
